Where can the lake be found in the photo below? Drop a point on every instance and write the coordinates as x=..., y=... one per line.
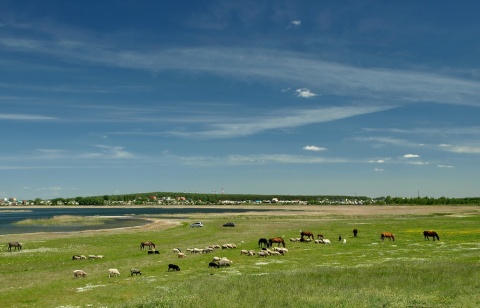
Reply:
x=125, y=217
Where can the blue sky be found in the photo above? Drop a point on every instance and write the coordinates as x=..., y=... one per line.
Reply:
x=371, y=98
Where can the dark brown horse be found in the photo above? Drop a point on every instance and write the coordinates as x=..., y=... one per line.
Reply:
x=388, y=235
x=15, y=245
x=355, y=232
x=428, y=234
x=263, y=242
x=278, y=240
x=308, y=234
x=150, y=245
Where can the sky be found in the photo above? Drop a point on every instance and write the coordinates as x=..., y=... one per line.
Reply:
x=366, y=98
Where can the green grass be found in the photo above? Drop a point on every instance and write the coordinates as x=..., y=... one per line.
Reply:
x=365, y=272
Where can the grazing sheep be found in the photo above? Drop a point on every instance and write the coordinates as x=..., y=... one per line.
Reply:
x=181, y=255
x=82, y=257
x=263, y=253
x=79, y=273
x=99, y=257
x=213, y=264
x=173, y=267
x=135, y=271
x=251, y=253
x=326, y=241
x=344, y=240
x=76, y=257
x=92, y=257
x=113, y=272
x=243, y=252
x=216, y=259
x=176, y=250
x=224, y=262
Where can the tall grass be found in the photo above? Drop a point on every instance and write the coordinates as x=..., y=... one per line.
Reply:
x=364, y=272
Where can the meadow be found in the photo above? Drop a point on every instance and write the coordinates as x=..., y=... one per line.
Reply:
x=363, y=272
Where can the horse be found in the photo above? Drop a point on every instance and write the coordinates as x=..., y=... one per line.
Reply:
x=147, y=244
x=388, y=235
x=262, y=242
x=355, y=231
x=428, y=234
x=278, y=240
x=15, y=245
x=308, y=234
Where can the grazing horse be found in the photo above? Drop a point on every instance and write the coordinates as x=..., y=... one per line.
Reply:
x=278, y=240
x=428, y=234
x=388, y=235
x=355, y=231
x=308, y=234
x=15, y=245
x=262, y=242
x=147, y=244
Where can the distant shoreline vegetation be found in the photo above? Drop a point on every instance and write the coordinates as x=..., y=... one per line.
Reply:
x=176, y=198
x=65, y=220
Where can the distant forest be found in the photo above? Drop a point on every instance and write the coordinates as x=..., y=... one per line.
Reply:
x=170, y=198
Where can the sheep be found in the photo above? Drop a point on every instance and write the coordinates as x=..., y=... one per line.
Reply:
x=251, y=253
x=99, y=257
x=325, y=241
x=224, y=262
x=82, y=257
x=263, y=253
x=113, y=272
x=173, y=267
x=344, y=240
x=213, y=264
x=92, y=257
x=243, y=252
x=135, y=271
x=79, y=273
x=216, y=259
x=176, y=250
x=76, y=257
x=181, y=255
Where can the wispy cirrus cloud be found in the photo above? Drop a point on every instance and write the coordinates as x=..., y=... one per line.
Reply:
x=466, y=149
x=291, y=119
x=24, y=117
x=411, y=156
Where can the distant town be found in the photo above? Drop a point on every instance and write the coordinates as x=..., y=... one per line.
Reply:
x=172, y=198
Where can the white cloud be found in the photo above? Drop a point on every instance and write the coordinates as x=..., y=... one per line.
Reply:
x=296, y=22
x=313, y=148
x=418, y=163
x=445, y=166
x=378, y=169
x=411, y=156
x=464, y=149
x=379, y=161
x=24, y=117
x=305, y=93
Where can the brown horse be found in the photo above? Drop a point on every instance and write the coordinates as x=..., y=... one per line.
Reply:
x=428, y=234
x=15, y=245
x=278, y=240
x=147, y=244
x=388, y=235
x=308, y=234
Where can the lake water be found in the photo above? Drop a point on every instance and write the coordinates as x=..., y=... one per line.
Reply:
x=126, y=217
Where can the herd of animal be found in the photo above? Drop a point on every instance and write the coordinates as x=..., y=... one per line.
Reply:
x=217, y=262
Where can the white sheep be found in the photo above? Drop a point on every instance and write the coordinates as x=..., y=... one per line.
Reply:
x=176, y=250
x=113, y=272
x=344, y=240
x=326, y=241
x=79, y=273
x=244, y=252
x=181, y=255
x=224, y=262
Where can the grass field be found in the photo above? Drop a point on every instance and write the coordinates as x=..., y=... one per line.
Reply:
x=364, y=272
